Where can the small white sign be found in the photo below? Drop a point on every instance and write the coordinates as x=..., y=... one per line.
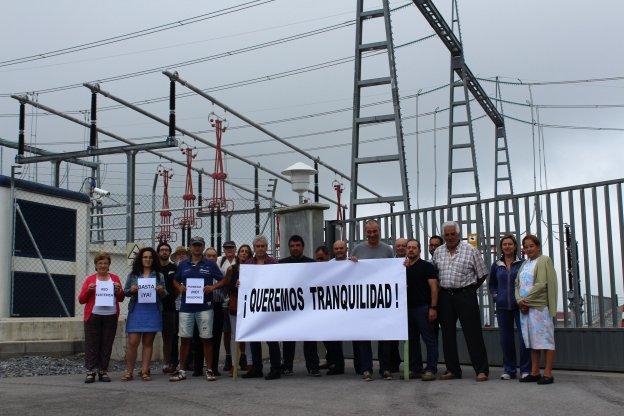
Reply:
x=194, y=291
x=104, y=293
x=147, y=289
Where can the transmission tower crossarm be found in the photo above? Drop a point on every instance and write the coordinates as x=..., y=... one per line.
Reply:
x=192, y=135
x=198, y=91
x=42, y=152
x=124, y=140
x=446, y=35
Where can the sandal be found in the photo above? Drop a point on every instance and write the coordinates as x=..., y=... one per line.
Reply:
x=103, y=376
x=210, y=375
x=127, y=376
x=145, y=376
x=90, y=377
x=178, y=376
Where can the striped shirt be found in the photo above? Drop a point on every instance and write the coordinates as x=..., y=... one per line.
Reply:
x=461, y=269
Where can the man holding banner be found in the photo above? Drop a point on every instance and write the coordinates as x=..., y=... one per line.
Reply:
x=260, y=246
x=373, y=248
x=193, y=281
x=333, y=301
x=296, y=246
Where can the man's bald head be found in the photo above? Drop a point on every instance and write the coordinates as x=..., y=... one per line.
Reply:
x=400, y=247
x=340, y=250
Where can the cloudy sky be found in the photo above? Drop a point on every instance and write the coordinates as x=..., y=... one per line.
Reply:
x=531, y=41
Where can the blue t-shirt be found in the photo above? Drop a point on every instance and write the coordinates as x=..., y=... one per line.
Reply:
x=207, y=270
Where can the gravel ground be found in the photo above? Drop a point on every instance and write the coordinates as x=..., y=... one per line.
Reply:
x=41, y=365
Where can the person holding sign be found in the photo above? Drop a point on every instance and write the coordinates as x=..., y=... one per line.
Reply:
x=232, y=274
x=101, y=293
x=260, y=246
x=193, y=281
x=310, y=352
x=145, y=286
x=373, y=248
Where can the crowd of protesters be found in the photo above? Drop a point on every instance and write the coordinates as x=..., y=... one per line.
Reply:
x=440, y=292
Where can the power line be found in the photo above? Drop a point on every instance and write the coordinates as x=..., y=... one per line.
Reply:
x=139, y=33
x=194, y=61
x=538, y=83
x=176, y=45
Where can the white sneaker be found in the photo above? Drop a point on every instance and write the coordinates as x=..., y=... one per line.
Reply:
x=525, y=375
x=505, y=376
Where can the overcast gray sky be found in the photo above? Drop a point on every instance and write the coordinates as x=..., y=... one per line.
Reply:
x=529, y=40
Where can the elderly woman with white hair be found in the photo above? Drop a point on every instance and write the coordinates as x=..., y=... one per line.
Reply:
x=461, y=271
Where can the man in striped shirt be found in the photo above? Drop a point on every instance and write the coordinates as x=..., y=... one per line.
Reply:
x=461, y=271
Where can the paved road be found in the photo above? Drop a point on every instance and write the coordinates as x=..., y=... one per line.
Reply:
x=574, y=393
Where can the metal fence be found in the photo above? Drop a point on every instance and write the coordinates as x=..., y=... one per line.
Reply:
x=589, y=262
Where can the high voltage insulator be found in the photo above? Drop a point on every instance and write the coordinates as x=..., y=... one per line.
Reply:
x=188, y=219
x=165, y=233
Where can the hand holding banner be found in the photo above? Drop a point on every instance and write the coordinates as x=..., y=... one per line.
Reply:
x=194, y=291
x=329, y=301
x=104, y=293
x=147, y=289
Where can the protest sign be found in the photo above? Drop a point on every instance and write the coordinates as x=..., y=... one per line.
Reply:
x=325, y=301
x=104, y=293
x=147, y=289
x=194, y=291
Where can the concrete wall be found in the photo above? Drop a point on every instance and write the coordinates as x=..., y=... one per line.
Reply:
x=57, y=337
x=305, y=220
x=77, y=268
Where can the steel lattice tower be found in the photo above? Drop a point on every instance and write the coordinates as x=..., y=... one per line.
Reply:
x=462, y=148
x=504, y=212
x=394, y=117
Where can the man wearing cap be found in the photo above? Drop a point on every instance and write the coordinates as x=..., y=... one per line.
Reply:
x=197, y=267
x=224, y=262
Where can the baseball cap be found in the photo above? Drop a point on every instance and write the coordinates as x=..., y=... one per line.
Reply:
x=197, y=240
x=229, y=244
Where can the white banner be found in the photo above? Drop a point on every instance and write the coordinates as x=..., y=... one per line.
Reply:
x=194, y=291
x=104, y=293
x=147, y=289
x=325, y=301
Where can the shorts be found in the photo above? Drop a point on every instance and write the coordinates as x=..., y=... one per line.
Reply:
x=204, y=321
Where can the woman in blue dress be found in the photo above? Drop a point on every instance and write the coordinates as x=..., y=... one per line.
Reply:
x=145, y=287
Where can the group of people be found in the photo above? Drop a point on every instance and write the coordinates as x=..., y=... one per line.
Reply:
x=439, y=293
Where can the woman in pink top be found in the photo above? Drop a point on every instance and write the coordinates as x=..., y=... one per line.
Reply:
x=100, y=320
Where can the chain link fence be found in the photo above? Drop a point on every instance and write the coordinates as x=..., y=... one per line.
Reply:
x=108, y=221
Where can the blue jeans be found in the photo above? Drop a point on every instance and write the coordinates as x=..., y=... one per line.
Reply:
x=506, y=320
x=419, y=326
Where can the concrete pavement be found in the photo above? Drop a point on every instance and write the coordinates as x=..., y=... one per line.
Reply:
x=574, y=393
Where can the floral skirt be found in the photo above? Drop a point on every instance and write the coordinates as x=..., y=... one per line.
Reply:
x=538, y=330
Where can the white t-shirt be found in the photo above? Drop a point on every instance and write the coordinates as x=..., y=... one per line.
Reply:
x=224, y=264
